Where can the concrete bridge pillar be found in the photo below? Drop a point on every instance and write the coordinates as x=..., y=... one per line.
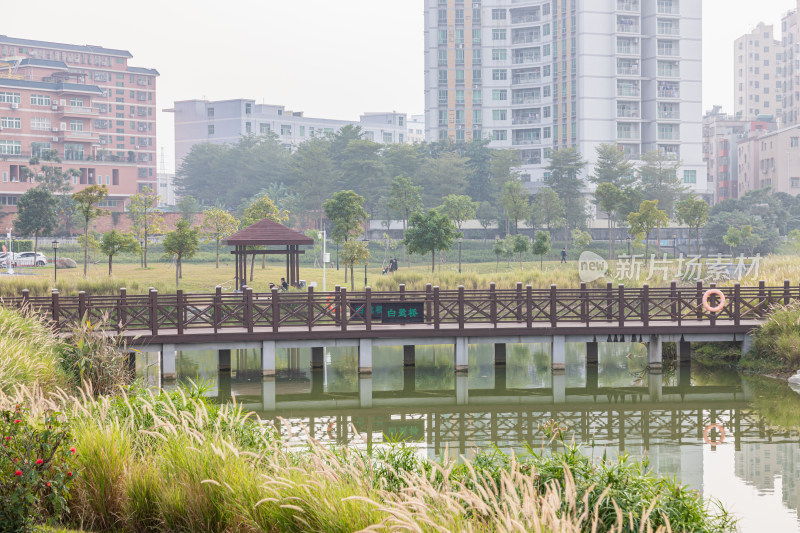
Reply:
x=317, y=383
x=500, y=354
x=365, y=356
x=224, y=361
x=655, y=385
x=592, y=379
x=224, y=387
x=684, y=377
x=592, y=356
x=558, y=354
x=684, y=351
x=462, y=389
x=462, y=355
x=654, y=352
x=365, y=391
x=317, y=357
x=168, y=355
x=499, y=379
x=747, y=344
x=409, y=355
x=559, y=387
x=268, y=395
x=268, y=356
x=409, y=380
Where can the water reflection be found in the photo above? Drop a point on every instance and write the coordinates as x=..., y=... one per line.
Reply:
x=673, y=418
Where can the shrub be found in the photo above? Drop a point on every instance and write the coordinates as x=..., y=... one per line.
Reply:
x=778, y=339
x=35, y=470
x=91, y=357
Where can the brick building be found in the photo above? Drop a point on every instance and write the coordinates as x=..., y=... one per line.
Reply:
x=85, y=103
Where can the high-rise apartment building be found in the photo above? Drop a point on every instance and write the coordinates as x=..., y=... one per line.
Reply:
x=538, y=75
x=84, y=103
x=227, y=121
x=758, y=68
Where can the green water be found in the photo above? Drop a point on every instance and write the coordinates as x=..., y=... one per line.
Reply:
x=675, y=418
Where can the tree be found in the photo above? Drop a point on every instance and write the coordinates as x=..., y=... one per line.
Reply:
x=217, y=225
x=430, y=232
x=188, y=208
x=750, y=239
x=504, y=167
x=693, y=212
x=313, y=177
x=515, y=202
x=446, y=174
x=86, y=202
x=354, y=253
x=259, y=208
x=459, y=208
x=115, y=242
x=733, y=238
x=147, y=219
x=612, y=167
x=610, y=199
x=548, y=209
x=345, y=210
x=581, y=239
x=541, y=246
x=565, y=168
x=660, y=181
x=361, y=167
x=487, y=215
x=405, y=198
x=180, y=244
x=645, y=220
x=36, y=214
x=520, y=244
x=498, y=249
x=794, y=240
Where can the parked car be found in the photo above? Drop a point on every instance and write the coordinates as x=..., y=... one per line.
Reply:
x=6, y=258
x=31, y=259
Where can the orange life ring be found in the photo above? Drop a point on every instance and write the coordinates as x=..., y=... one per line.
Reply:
x=720, y=428
x=719, y=294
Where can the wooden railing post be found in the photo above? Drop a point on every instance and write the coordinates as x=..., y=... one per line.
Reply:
x=437, y=320
x=737, y=304
x=123, y=307
x=762, y=298
x=337, y=315
x=673, y=298
x=584, y=304
x=217, y=309
x=461, y=318
x=310, y=311
x=428, y=301
x=712, y=317
x=402, y=292
x=609, y=301
x=518, y=311
x=553, y=305
x=153, y=311
x=276, y=309
x=179, y=311
x=493, y=304
x=26, y=294
x=368, y=308
x=699, y=297
x=645, y=305
x=787, y=292
x=81, y=306
x=248, y=309
x=343, y=294
x=621, y=304
x=55, y=309
x=529, y=306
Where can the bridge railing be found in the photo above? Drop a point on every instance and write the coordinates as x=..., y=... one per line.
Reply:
x=183, y=312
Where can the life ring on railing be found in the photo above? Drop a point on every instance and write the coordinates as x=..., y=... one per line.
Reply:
x=720, y=428
x=719, y=294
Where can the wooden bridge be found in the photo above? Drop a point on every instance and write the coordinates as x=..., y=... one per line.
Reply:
x=270, y=321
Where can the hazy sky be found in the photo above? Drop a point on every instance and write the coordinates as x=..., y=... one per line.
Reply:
x=333, y=59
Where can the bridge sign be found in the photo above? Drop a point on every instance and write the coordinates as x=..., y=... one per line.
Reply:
x=357, y=310
x=403, y=313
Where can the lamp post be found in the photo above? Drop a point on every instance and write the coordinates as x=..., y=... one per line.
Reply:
x=460, y=240
x=324, y=236
x=629, y=245
x=674, y=246
x=366, y=241
x=55, y=260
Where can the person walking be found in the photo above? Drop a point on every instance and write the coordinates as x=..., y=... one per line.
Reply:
x=564, y=255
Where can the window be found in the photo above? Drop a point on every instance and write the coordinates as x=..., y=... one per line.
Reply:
x=442, y=117
x=211, y=129
x=10, y=147
x=75, y=125
x=795, y=183
x=13, y=123
x=459, y=36
x=690, y=176
x=40, y=99
x=38, y=148
x=499, y=135
x=443, y=97
x=9, y=98
x=248, y=127
x=476, y=36
x=460, y=116
x=248, y=108
x=477, y=116
x=210, y=112
x=388, y=137
x=499, y=74
x=286, y=129
x=498, y=55
x=499, y=95
x=499, y=114
x=795, y=142
x=443, y=58
x=459, y=76
x=498, y=14
x=442, y=77
x=263, y=129
x=73, y=152
x=459, y=96
x=498, y=35
x=76, y=102
x=477, y=97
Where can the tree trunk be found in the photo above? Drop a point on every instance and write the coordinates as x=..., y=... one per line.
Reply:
x=433, y=261
x=352, y=277
x=177, y=268
x=541, y=262
x=252, y=266
x=85, y=246
x=144, y=256
x=35, y=246
x=217, y=252
x=646, y=247
x=610, y=240
x=263, y=262
x=109, y=265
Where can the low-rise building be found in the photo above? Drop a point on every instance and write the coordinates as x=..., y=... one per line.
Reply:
x=779, y=160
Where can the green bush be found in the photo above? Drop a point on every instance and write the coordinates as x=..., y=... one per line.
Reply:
x=778, y=339
x=35, y=470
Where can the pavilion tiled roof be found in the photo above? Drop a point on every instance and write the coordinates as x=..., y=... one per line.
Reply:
x=267, y=232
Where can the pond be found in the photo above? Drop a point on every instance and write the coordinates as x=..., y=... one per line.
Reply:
x=733, y=438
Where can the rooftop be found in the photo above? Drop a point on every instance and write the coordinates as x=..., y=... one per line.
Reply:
x=267, y=232
x=85, y=48
x=60, y=86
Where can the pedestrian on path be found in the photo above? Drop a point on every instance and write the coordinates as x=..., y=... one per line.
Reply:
x=564, y=255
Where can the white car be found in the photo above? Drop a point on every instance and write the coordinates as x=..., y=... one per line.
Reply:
x=6, y=258
x=31, y=259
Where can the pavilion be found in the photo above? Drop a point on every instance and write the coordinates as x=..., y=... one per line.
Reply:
x=268, y=233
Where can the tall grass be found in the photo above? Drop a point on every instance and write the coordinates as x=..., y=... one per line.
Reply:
x=778, y=339
x=28, y=352
x=12, y=286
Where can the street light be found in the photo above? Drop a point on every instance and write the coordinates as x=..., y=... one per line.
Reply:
x=460, y=240
x=366, y=241
x=629, y=245
x=324, y=236
x=674, y=246
x=55, y=260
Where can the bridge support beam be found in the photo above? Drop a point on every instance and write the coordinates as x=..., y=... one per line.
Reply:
x=500, y=354
x=592, y=357
x=365, y=391
x=684, y=351
x=558, y=354
x=224, y=360
x=409, y=355
x=268, y=356
x=365, y=357
x=462, y=355
x=168, y=355
x=654, y=352
x=559, y=387
x=317, y=357
x=747, y=344
x=462, y=389
x=268, y=395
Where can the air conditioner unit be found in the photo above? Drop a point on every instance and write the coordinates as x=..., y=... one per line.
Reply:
x=62, y=102
x=54, y=108
x=137, y=146
x=14, y=106
x=55, y=130
x=54, y=139
x=102, y=142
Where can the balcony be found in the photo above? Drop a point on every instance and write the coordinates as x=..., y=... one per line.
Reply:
x=628, y=50
x=628, y=92
x=669, y=115
x=628, y=28
x=628, y=113
x=631, y=6
x=668, y=30
x=525, y=39
x=522, y=100
x=523, y=80
x=81, y=136
x=78, y=111
x=628, y=71
x=666, y=7
x=524, y=60
x=525, y=19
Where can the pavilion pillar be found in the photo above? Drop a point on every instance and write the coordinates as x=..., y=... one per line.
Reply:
x=297, y=264
x=288, y=261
